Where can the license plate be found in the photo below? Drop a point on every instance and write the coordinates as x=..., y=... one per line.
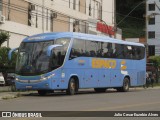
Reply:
x=28, y=87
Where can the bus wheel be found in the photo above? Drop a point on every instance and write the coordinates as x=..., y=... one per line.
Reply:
x=125, y=87
x=42, y=92
x=100, y=90
x=71, y=87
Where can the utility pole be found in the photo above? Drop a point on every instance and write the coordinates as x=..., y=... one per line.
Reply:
x=43, y=16
x=115, y=23
x=146, y=31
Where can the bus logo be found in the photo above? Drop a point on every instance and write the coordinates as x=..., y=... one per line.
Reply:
x=123, y=65
x=100, y=63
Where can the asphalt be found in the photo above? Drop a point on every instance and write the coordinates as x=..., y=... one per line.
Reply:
x=6, y=93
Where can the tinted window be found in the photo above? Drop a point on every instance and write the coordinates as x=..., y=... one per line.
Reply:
x=106, y=50
x=78, y=49
x=92, y=48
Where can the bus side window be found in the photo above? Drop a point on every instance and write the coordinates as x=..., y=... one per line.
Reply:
x=108, y=50
x=92, y=53
x=78, y=49
x=73, y=54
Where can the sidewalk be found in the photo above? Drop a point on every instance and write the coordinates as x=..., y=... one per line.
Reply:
x=6, y=93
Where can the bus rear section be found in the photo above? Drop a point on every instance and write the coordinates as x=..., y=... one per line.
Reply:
x=96, y=64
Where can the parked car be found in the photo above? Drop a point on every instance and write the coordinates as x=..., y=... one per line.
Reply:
x=10, y=79
x=2, y=81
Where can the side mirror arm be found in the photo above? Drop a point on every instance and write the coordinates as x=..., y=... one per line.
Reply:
x=49, y=49
x=11, y=52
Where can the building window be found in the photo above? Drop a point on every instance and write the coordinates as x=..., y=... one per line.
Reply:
x=74, y=4
x=152, y=21
x=90, y=9
x=151, y=50
x=151, y=7
x=0, y=5
x=96, y=9
x=151, y=34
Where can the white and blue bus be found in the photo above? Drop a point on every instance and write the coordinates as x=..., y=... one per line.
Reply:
x=71, y=61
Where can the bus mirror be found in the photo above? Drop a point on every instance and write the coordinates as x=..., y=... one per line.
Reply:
x=49, y=49
x=11, y=52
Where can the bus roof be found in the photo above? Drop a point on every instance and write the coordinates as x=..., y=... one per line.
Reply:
x=56, y=35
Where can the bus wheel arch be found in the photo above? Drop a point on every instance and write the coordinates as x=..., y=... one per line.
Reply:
x=73, y=85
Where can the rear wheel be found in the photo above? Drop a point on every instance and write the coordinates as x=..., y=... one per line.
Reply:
x=100, y=90
x=125, y=87
x=71, y=87
x=42, y=92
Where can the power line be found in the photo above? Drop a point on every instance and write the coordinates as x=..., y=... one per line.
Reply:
x=25, y=10
x=130, y=12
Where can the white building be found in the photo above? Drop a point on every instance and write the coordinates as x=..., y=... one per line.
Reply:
x=153, y=27
x=22, y=18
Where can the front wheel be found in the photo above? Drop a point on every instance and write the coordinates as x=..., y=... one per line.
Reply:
x=71, y=87
x=13, y=88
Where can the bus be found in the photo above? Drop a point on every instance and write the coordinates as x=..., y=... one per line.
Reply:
x=71, y=61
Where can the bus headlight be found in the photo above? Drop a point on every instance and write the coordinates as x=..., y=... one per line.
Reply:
x=17, y=79
x=43, y=78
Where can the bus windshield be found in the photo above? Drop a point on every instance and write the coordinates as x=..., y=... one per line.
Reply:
x=33, y=59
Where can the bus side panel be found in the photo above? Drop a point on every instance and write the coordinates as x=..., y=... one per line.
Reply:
x=76, y=72
x=104, y=78
x=91, y=78
x=116, y=78
x=141, y=72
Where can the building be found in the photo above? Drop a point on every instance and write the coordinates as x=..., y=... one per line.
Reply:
x=153, y=26
x=22, y=18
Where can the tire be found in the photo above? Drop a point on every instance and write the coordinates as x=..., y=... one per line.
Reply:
x=13, y=88
x=42, y=92
x=125, y=87
x=100, y=90
x=71, y=87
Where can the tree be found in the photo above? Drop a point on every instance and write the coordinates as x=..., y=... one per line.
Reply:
x=133, y=26
x=4, y=36
x=6, y=65
x=156, y=61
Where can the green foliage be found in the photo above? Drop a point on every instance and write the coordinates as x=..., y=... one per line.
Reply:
x=4, y=36
x=155, y=60
x=133, y=26
x=5, y=64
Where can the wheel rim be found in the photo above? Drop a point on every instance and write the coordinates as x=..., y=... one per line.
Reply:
x=73, y=85
x=126, y=85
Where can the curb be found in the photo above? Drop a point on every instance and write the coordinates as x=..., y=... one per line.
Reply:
x=8, y=96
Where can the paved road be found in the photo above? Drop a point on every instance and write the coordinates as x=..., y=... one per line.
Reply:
x=135, y=100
